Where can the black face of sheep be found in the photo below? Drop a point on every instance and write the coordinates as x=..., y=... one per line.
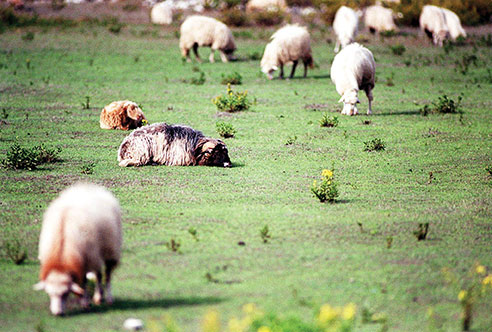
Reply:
x=212, y=152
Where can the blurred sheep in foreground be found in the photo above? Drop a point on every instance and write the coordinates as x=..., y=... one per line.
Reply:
x=81, y=232
x=206, y=31
x=266, y=5
x=289, y=44
x=345, y=26
x=171, y=145
x=123, y=114
x=378, y=19
x=433, y=23
x=353, y=69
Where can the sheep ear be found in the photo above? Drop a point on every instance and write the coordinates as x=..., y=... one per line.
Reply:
x=39, y=286
x=76, y=289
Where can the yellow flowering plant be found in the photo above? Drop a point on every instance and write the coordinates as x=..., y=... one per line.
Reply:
x=326, y=190
x=232, y=101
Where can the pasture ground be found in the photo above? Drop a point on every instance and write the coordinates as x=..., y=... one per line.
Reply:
x=317, y=252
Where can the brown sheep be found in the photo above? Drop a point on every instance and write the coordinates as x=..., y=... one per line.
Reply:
x=123, y=114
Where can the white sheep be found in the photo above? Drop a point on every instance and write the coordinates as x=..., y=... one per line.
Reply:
x=289, y=44
x=162, y=13
x=266, y=5
x=433, y=23
x=206, y=31
x=378, y=18
x=454, y=24
x=81, y=232
x=345, y=26
x=353, y=69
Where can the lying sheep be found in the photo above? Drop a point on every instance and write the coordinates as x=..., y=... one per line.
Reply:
x=353, y=69
x=454, y=24
x=171, y=145
x=81, y=231
x=266, y=5
x=123, y=114
x=289, y=44
x=345, y=26
x=378, y=18
x=433, y=23
x=162, y=13
x=206, y=31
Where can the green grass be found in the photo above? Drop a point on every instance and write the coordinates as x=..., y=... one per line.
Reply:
x=317, y=253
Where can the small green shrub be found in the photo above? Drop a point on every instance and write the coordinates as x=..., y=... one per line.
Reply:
x=268, y=18
x=234, y=17
x=28, y=36
x=421, y=232
x=489, y=169
x=232, y=101
x=254, y=56
x=225, y=129
x=291, y=140
x=447, y=105
x=328, y=121
x=375, y=144
x=398, y=49
x=29, y=158
x=233, y=78
x=86, y=105
x=265, y=234
x=174, y=245
x=88, y=168
x=326, y=190
x=200, y=80
x=14, y=249
x=388, y=34
x=193, y=232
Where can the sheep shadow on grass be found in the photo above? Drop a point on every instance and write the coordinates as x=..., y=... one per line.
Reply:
x=139, y=304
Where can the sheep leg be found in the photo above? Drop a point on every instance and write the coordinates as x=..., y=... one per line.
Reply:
x=98, y=292
x=305, y=68
x=84, y=300
x=294, y=65
x=281, y=71
x=337, y=46
x=370, y=98
x=223, y=56
x=110, y=265
x=195, y=50
x=212, y=56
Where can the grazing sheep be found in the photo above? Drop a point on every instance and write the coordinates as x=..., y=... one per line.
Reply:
x=289, y=44
x=206, y=31
x=345, y=26
x=378, y=18
x=454, y=24
x=433, y=23
x=123, y=114
x=162, y=13
x=171, y=145
x=353, y=69
x=266, y=5
x=81, y=232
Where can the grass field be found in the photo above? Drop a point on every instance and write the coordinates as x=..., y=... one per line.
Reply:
x=317, y=252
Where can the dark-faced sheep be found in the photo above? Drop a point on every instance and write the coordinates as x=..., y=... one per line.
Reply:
x=171, y=145
x=123, y=114
x=81, y=232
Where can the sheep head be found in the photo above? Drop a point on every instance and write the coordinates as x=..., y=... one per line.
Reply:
x=134, y=112
x=58, y=286
x=350, y=101
x=212, y=152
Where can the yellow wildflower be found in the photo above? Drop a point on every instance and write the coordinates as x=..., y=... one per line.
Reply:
x=327, y=313
x=487, y=280
x=462, y=294
x=348, y=312
x=250, y=308
x=314, y=183
x=327, y=173
x=480, y=269
x=264, y=329
x=211, y=322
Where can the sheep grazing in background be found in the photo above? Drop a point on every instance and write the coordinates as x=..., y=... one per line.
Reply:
x=81, y=232
x=378, y=19
x=345, y=26
x=123, y=114
x=162, y=13
x=289, y=44
x=454, y=25
x=266, y=5
x=206, y=31
x=433, y=23
x=353, y=69
x=171, y=145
